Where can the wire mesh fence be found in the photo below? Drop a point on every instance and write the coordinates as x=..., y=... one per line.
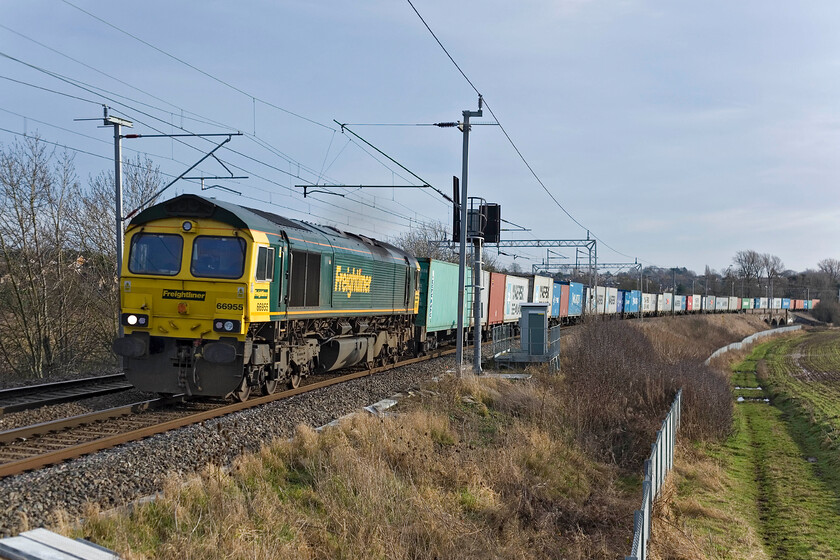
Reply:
x=656, y=468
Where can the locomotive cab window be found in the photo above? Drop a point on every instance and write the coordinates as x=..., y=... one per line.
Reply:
x=218, y=257
x=265, y=264
x=155, y=253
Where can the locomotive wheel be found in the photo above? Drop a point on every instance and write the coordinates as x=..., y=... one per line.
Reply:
x=270, y=386
x=244, y=391
x=294, y=381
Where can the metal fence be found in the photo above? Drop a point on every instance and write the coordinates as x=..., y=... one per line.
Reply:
x=661, y=461
x=750, y=339
x=554, y=340
x=503, y=339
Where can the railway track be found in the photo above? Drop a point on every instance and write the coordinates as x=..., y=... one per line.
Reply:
x=35, y=396
x=37, y=446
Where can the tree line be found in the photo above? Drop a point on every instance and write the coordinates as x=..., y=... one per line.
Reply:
x=58, y=274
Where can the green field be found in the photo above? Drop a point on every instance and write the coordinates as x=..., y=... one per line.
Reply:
x=777, y=492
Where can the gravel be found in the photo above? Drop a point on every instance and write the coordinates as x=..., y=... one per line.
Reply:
x=118, y=476
x=74, y=408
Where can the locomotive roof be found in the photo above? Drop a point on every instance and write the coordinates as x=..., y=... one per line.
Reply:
x=192, y=206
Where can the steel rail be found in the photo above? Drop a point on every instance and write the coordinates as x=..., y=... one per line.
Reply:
x=72, y=452
x=16, y=399
x=26, y=432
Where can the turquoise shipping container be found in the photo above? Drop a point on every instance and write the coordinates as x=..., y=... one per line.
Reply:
x=438, y=309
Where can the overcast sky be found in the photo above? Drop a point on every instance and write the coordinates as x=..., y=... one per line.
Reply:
x=677, y=132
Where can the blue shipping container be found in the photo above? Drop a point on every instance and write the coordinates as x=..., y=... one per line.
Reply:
x=785, y=303
x=619, y=301
x=575, y=299
x=632, y=300
x=555, y=300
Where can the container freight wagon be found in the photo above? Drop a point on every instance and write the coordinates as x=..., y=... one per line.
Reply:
x=697, y=303
x=516, y=293
x=679, y=304
x=777, y=303
x=600, y=300
x=667, y=303
x=437, y=314
x=785, y=303
x=721, y=303
x=734, y=303
x=539, y=289
x=709, y=303
x=560, y=301
x=648, y=303
x=485, y=299
x=611, y=301
x=632, y=301
x=746, y=303
x=496, y=299
x=575, y=299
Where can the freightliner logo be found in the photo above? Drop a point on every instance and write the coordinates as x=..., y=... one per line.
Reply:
x=184, y=294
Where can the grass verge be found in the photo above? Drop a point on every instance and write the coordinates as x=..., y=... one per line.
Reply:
x=771, y=489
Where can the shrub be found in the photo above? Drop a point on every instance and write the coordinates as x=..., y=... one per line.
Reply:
x=619, y=388
x=827, y=312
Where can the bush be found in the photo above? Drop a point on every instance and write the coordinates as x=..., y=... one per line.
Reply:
x=827, y=312
x=619, y=389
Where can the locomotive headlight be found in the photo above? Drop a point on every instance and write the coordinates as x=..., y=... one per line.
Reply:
x=134, y=320
x=226, y=325
x=187, y=226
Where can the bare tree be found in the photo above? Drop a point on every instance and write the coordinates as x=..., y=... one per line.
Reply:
x=95, y=235
x=425, y=240
x=773, y=268
x=748, y=267
x=37, y=321
x=831, y=267
x=429, y=240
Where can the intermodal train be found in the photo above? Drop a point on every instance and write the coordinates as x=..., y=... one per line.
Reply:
x=220, y=300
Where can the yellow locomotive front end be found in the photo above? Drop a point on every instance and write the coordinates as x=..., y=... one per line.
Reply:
x=186, y=299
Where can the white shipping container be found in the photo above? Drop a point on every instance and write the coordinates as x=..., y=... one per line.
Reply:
x=777, y=303
x=721, y=303
x=648, y=303
x=660, y=303
x=540, y=289
x=734, y=303
x=600, y=299
x=516, y=293
x=763, y=302
x=709, y=303
x=696, y=303
x=679, y=303
x=667, y=303
x=612, y=301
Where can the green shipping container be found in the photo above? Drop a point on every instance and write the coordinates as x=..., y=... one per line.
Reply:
x=746, y=303
x=438, y=309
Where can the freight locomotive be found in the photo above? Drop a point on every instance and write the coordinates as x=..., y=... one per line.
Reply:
x=220, y=300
